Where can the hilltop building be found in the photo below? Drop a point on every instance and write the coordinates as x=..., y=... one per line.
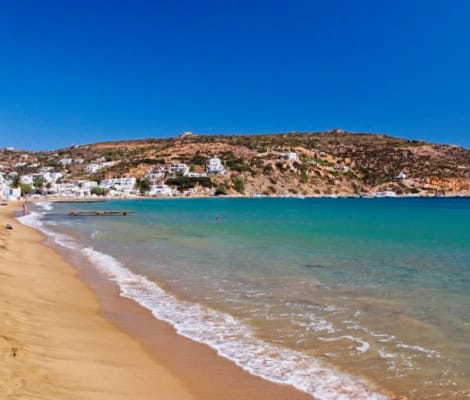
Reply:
x=214, y=166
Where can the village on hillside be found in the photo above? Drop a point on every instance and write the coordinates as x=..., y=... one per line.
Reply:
x=328, y=164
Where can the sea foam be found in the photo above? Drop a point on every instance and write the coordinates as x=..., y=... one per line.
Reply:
x=33, y=219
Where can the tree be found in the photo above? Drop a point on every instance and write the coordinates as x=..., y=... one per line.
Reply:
x=239, y=184
x=99, y=191
x=143, y=185
x=38, y=182
x=221, y=190
x=15, y=181
x=26, y=188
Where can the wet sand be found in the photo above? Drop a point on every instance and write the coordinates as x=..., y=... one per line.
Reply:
x=59, y=339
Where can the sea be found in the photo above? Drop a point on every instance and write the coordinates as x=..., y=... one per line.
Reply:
x=339, y=298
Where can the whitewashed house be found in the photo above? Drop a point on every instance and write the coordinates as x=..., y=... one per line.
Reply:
x=83, y=188
x=93, y=168
x=65, y=162
x=290, y=156
x=109, y=164
x=53, y=176
x=13, y=194
x=3, y=187
x=155, y=174
x=401, y=176
x=341, y=167
x=161, y=190
x=386, y=193
x=197, y=174
x=125, y=185
x=214, y=166
x=27, y=179
x=178, y=168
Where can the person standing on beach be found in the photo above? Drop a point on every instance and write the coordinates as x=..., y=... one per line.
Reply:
x=25, y=208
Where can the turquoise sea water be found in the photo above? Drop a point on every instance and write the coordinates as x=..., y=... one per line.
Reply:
x=342, y=298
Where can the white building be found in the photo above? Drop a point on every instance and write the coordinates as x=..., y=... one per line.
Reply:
x=401, y=176
x=290, y=156
x=93, y=168
x=47, y=177
x=27, y=179
x=73, y=189
x=214, y=166
x=109, y=164
x=178, y=168
x=13, y=194
x=155, y=174
x=120, y=184
x=160, y=190
x=65, y=162
x=3, y=187
x=52, y=176
x=341, y=167
x=197, y=174
x=187, y=134
x=386, y=193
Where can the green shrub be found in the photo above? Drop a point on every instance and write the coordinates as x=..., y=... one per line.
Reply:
x=303, y=177
x=221, y=190
x=99, y=191
x=185, y=182
x=26, y=188
x=198, y=160
x=239, y=184
x=143, y=185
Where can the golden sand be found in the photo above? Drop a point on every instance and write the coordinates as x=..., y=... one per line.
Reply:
x=55, y=342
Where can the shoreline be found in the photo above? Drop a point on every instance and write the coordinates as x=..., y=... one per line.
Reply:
x=102, y=199
x=169, y=365
x=54, y=342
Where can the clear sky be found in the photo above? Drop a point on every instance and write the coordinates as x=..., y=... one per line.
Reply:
x=86, y=71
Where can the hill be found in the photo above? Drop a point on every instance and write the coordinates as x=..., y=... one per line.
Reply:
x=310, y=163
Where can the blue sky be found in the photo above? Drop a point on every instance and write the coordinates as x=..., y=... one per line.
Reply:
x=86, y=71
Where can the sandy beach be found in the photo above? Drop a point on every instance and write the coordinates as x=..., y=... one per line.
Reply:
x=56, y=343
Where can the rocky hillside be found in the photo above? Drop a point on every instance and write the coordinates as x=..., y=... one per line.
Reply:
x=327, y=163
